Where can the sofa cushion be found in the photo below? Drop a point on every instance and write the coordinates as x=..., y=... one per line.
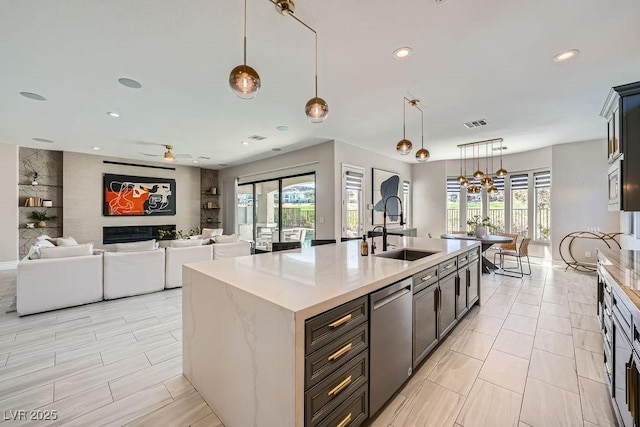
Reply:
x=233, y=238
x=146, y=245
x=185, y=243
x=65, y=241
x=208, y=233
x=66, y=251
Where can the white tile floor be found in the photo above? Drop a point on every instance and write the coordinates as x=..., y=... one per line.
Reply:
x=531, y=355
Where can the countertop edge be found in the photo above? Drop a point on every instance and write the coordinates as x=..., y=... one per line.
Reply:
x=612, y=267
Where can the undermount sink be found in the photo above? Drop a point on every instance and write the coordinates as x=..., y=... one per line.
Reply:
x=406, y=254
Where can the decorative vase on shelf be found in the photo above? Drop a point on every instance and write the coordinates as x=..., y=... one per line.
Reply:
x=481, y=230
x=42, y=224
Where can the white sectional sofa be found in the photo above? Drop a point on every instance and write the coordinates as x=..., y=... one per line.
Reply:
x=50, y=284
x=133, y=273
x=177, y=257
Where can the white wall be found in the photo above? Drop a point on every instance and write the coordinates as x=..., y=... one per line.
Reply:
x=318, y=158
x=82, y=200
x=429, y=198
x=357, y=156
x=579, y=193
x=9, y=205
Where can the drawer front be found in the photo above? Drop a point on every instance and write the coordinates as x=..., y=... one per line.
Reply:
x=425, y=278
x=447, y=267
x=321, y=363
x=322, y=399
x=327, y=326
x=351, y=413
x=463, y=259
x=474, y=254
x=623, y=313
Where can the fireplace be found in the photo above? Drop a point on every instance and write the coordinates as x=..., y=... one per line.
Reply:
x=133, y=233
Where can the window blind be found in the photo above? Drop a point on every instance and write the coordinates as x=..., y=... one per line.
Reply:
x=499, y=183
x=542, y=179
x=405, y=187
x=452, y=185
x=354, y=180
x=519, y=182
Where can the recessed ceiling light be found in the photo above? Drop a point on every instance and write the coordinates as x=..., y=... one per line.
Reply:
x=276, y=149
x=42, y=140
x=95, y=148
x=33, y=96
x=113, y=114
x=567, y=54
x=195, y=161
x=402, y=52
x=130, y=83
x=282, y=128
x=245, y=143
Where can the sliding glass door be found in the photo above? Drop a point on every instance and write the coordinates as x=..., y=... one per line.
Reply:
x=278, y=210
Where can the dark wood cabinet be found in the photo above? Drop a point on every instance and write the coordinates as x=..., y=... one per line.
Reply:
x=622, y=112
x=447, y=319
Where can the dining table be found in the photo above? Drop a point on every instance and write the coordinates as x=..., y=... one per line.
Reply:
x=486, y=242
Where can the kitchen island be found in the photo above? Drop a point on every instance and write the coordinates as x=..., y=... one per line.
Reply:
x=247, y=332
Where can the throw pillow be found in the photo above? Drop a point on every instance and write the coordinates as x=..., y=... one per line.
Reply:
x=66, y=251
x=146, y=245
x=34, y=251
x=233, y=238
x=66, y=241
x=185, y=243
x=208, y=233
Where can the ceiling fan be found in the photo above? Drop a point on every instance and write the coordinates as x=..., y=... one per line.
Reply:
x=169, y=154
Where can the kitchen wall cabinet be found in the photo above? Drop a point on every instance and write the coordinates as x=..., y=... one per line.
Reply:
x=622, y=112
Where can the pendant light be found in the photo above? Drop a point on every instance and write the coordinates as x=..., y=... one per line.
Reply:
x=316, y=108
x=486, y=181
x=422, y=155
x=461, y=177
x=471, y=189
x=244, y=80
x=478, y=174
x=404, y=146
x=502, y=171
x=492, y=189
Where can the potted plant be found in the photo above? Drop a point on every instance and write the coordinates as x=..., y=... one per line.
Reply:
x=41, y=217
x=479, y=225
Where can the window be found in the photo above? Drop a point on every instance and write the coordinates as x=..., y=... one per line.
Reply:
x=278, y=210
x=520, y=204
x=352, y=201
x=474, y=202
x=406, y=201
x=453, y=206
x=496, y=206
x=542, y=184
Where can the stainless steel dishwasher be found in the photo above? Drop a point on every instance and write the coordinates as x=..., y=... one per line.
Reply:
x=390, y=342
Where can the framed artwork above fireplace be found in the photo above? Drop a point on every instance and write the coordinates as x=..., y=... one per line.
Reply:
x=124, y=195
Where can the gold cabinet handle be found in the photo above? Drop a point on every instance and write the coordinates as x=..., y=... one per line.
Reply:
x=345, y=421
x=425, y=278
x=337, y=389
x=340, y=352
x=340, y=321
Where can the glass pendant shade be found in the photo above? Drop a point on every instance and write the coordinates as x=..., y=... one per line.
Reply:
x=316, y=110
x=464, y=183
x=422, y=155
x=404, y=147
x=493, y=190
x=486, y=181
x=461, y=179
x=501, y=172
x=478, y=174
x=244, y=82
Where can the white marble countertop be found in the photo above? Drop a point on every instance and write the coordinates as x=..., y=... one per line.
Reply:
x=312, y=280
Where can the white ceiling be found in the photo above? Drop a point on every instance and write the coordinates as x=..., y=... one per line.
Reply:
x=489, y=59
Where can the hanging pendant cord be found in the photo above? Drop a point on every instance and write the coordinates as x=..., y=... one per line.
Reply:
x=245, y=32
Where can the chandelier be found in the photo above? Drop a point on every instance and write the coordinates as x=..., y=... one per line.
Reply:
x=484, y=178
x=404, y=146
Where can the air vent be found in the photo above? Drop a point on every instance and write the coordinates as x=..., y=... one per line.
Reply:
x=257, y=137
x=204, y=158
x=440, y=1
x=503, y=147
x=475, y=124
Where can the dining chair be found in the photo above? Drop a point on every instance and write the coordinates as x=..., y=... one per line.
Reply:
x=318, y=242
x=518, y=255
x=285, y=246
